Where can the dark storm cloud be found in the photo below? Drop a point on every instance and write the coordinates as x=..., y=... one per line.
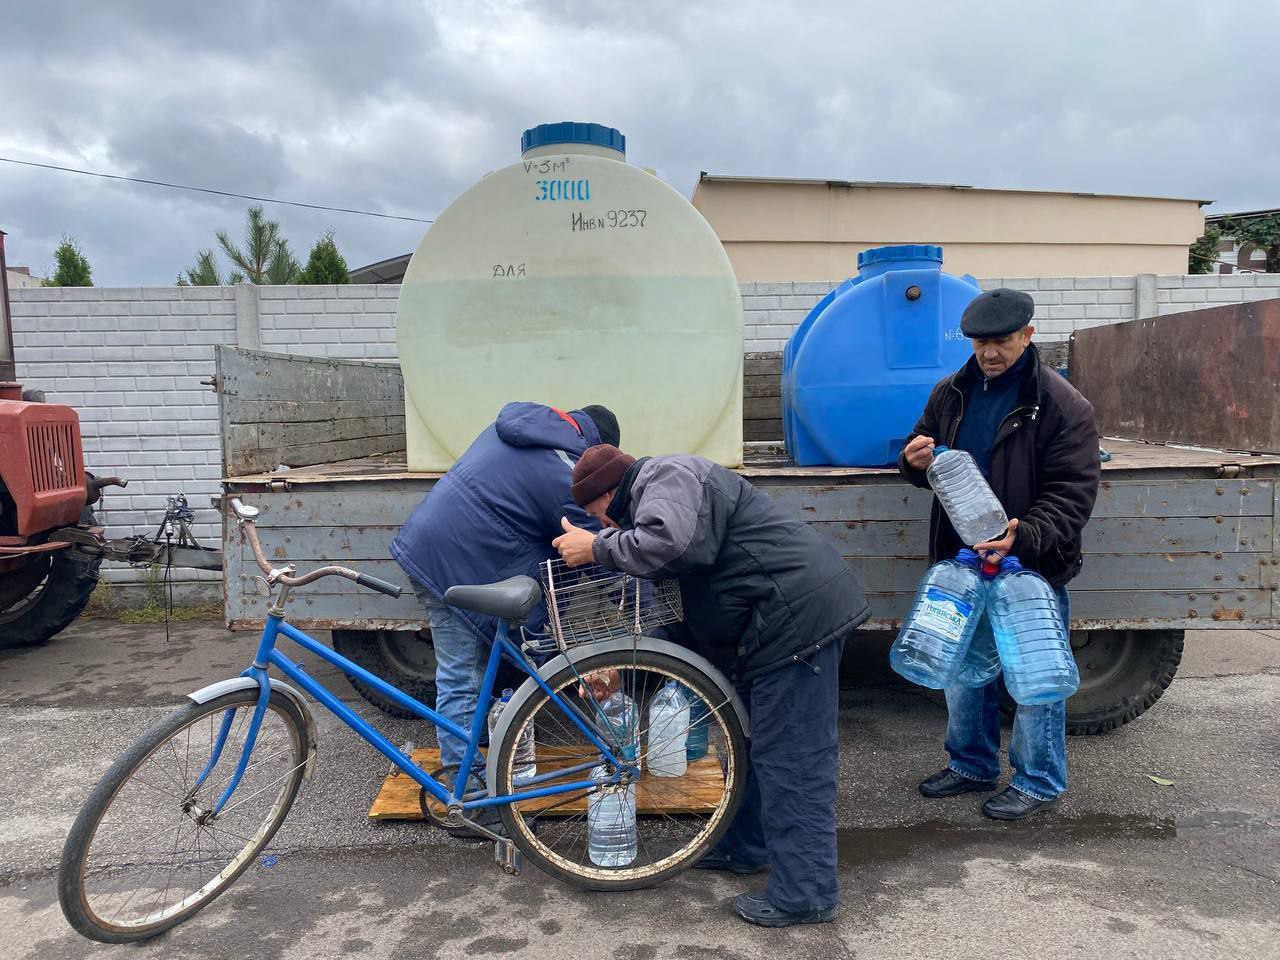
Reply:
x=399, y=108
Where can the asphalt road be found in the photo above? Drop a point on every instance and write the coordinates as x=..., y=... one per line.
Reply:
x=1124, y=868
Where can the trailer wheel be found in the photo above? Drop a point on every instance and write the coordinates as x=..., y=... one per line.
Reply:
x=61, y=585
x=404, y=658
x=1122, y=674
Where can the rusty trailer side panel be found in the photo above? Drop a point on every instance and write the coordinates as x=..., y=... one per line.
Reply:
x=1205, y=378
x=1175, y=542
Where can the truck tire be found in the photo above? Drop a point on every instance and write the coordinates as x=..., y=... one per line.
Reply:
x=53, y=604
x=1122, y=674
x=404, y=658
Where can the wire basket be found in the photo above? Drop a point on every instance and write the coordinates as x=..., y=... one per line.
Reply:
x=589, y=603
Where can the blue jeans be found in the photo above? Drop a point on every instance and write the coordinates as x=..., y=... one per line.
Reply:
x=1037, y=750
x=461, y=656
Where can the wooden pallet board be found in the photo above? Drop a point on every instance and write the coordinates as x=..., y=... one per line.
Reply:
x=698, y=791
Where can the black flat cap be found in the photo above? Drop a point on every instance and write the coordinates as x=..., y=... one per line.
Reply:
x=997, y=313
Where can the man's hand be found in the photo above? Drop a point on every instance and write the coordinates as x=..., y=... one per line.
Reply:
x=574, y=544
x=995, y=549
x=600, y=685
x=919, y=453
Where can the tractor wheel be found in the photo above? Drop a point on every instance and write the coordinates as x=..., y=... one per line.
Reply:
x=52, y=594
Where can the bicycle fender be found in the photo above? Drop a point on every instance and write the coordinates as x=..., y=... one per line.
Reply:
x=232, y=684
x=577, y=654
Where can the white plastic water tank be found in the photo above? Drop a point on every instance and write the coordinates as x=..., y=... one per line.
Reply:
x=571, y=278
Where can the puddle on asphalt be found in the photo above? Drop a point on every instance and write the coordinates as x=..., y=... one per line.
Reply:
x=883, y=844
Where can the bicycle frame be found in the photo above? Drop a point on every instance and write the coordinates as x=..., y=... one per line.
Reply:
x=267, y=656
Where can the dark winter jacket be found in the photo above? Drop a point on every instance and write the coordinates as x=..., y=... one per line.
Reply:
x=755, y=581
x=496, y=511
x=1044, y=466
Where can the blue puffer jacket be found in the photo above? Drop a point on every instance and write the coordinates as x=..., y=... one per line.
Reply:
x=496, y=511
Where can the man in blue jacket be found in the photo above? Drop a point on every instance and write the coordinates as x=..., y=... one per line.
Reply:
x=493, y=516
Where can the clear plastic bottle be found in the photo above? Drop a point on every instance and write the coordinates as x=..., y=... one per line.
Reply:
x=935, y=635
x=696, y=746
x=975, y=512
x=982, y=660
x=526, y=765
x=668, y=731
x=624, y=724
x=1034, y=645
x=611, y=822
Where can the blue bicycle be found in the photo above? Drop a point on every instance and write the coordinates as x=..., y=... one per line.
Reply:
x=193, y=803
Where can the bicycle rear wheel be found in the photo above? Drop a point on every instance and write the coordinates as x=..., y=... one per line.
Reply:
x=678, y=817
x=144, y=854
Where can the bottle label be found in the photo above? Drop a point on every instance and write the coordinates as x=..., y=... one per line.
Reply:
x=943, y=614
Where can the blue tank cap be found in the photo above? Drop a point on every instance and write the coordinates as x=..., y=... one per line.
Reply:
x=900, y=251
x=595, y=134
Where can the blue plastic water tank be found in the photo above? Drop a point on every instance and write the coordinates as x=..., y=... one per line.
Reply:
x=859, y=368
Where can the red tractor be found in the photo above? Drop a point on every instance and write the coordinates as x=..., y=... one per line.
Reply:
x=50, y=546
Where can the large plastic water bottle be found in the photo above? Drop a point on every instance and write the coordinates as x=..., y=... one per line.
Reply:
x=695, y=748
x=935, y=635
x=1034, y=645
x=982, y=660
x=611, y=822
x=526, y=765
x=975, y=512
x=623, y=718
x=668, y=731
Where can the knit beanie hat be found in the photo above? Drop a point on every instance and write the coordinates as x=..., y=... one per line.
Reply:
x=606, y=423
x=598, y=471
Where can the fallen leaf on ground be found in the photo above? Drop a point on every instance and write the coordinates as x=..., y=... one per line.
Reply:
x=1159, y=781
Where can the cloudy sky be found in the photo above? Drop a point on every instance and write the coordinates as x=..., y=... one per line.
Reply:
x=397, y=107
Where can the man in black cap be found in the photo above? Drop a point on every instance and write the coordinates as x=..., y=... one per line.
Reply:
x=493, y=516
x=1036, y=441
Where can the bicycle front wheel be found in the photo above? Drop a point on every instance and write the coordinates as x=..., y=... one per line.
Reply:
x=612, y=836
x=145, y=853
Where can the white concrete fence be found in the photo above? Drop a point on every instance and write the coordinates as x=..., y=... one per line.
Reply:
x=131, y=359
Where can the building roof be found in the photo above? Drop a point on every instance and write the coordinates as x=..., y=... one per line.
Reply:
x=390, y=270
x=1242, y=215
x=705, y=177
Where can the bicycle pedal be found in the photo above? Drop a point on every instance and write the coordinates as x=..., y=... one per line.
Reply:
x=508, y=857
x=407, y=750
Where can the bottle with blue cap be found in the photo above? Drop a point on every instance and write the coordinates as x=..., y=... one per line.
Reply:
x=935, y=636
x=973, y=508
x=1031, y=637
x=526, y=760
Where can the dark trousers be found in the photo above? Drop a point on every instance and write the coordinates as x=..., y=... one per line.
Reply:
x=788, y=816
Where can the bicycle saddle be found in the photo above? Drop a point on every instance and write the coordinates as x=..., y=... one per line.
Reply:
x=510, y=599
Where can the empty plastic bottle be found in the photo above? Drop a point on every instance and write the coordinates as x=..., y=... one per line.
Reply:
x=695, y=748
x=668, y=731
x=611, y=822
x=526, y=765
x=935, y=635
x=982, y=660
x=965, y=495
x=624, y=724
x=1034, y=646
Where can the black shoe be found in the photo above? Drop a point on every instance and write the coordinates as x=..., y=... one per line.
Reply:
x=755, y=908
x=717, y=861
x=1012, y=804
x=948, y=783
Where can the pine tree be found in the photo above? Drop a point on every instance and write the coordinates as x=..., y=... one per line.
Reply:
x=73, y=266
x=325, y=264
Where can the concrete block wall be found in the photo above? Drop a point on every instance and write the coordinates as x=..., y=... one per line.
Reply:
x=130, y=360
x=771, y=311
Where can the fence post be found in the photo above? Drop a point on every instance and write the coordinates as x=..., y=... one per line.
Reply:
x=1144, y=296
x=248, y=330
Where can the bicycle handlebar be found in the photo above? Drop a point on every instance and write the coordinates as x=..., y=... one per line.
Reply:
x=245, y=516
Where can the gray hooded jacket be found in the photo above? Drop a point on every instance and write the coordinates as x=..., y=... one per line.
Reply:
x=757, y=584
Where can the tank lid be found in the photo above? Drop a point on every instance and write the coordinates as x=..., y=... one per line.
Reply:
x=595, y=134
x=901, y=251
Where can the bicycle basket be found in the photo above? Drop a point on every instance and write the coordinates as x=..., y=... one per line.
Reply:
x=590, y=603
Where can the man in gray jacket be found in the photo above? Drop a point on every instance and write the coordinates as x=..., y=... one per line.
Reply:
x=763, y=592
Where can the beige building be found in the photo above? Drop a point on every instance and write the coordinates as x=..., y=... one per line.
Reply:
x=782, y=229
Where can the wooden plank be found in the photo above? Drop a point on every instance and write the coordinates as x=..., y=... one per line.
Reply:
x=762, y=408
x=272, y=411
x=698, y=791
x=762, y=365
x=754, y=387
x=758, y=430
x=1146, y=380
x=262, y=375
